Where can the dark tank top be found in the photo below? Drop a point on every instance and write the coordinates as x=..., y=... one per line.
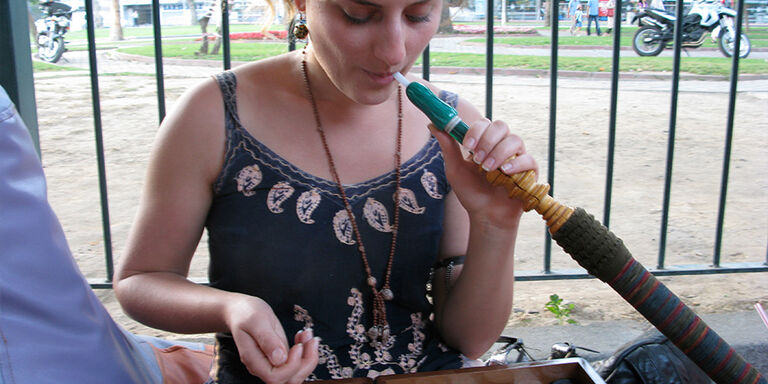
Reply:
x=283, y=235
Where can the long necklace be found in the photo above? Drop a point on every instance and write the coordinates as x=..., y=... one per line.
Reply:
x=380, y=329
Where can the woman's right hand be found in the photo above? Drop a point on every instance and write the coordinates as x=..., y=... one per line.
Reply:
x=263, y=346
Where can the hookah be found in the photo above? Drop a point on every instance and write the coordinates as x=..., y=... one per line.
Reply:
x=604, y=256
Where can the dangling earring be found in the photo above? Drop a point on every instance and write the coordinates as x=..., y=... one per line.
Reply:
x=300, y=30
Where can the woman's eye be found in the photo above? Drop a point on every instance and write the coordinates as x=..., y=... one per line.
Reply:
x=356, y=20
x=418, y=19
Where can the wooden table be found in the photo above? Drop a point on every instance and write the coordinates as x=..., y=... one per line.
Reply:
x=571, y=370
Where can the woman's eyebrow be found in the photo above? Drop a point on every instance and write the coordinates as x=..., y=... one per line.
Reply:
x=372, y=4
x=367, y=3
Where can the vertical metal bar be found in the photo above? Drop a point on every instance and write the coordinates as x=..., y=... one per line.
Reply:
x=555, y=14
x=728, y=135
x=225, y=34
x=291, y=39
x=425, y=63
x=489, y=61
x=159, y=78
x=99, y=139
x=671, y=138
x=16, y=75
x=612, y=119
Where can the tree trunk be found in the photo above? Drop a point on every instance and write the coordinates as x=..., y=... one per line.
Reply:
x=192, y=12
x=446, y=24
x=503, y=13
x=98, y=21
x=746, y=15
x=32, y=26
x=116, y=32
x=547, y=13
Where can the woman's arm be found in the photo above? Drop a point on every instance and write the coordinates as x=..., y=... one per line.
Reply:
x=481, y=222
x=151, y=280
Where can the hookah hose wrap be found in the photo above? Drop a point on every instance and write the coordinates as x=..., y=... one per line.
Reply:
x=604, y=256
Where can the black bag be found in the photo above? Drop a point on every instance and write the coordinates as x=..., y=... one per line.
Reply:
x=650, y=359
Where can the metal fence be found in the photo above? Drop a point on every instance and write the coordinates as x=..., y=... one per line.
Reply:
x=20, y=75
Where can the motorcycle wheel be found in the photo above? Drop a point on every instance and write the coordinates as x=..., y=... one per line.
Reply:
x=646, y=41
x=47, y=50
x=727, y=42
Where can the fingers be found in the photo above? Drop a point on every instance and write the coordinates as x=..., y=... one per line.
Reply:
x=294, y=366
x=492, y=144
x=273, y=345
x=448, y=145
x=309, y=356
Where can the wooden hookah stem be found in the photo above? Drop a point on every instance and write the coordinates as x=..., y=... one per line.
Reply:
x=535, y=196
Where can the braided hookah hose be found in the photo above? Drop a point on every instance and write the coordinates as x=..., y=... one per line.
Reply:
x=604, y=256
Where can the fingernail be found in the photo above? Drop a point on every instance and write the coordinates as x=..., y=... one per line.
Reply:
x=469, y=143
x=307, y=336
x=479, y=156
x=278, y=356
x=506, y=167
x=488, y=164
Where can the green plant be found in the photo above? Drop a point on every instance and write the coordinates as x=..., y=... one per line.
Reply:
x=561, y=311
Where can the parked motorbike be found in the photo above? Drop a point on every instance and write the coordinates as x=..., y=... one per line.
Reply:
x=51, y=30
x=704, y=17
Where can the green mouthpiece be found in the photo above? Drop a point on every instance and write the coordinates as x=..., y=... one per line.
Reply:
x=442, y=115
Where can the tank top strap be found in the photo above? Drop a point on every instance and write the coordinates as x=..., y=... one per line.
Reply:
x=449, y=98
x=228, y=85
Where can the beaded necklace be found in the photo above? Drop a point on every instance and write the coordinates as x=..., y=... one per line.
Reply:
x=379, y=332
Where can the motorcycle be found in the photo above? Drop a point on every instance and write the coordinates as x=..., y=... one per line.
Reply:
x=51, y=30
x=657, y=27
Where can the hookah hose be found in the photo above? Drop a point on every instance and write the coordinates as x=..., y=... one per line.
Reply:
x=604, y=256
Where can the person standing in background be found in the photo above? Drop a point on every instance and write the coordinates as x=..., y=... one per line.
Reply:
x=579, y=18
x=593, y=14
x=572, y=5
x=610, y=8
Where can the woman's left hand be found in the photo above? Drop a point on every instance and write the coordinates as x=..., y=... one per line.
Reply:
x=490, y=145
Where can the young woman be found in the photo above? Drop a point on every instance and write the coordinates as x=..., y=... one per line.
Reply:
x=329, y=207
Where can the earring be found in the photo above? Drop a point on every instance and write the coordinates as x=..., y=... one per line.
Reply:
x=300, y=30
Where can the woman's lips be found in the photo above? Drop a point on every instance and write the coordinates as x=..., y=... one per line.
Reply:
x=381, y=78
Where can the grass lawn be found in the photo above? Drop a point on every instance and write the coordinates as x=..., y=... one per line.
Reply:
x=39, y=66
x=240, y=50
x=697, y=65
x=253, y=50
x=758, y=36
x=147, y=31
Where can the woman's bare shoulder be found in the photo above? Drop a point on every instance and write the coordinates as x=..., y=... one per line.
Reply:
x=271, y=73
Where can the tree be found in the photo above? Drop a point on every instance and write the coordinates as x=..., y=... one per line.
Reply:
x=549, y=7
x=98, y=21
x=446, y=24
x=31, y=5
x=192, y=12
x=116, y=32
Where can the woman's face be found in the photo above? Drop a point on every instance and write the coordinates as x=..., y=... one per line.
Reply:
x=361, y=43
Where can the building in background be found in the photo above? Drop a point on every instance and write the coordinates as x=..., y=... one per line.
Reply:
x=172, y=12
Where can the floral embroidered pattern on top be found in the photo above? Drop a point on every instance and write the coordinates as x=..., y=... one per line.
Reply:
x=283, y=235
x=382, y=357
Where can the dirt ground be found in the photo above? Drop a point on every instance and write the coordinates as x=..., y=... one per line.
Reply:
x=130, y=119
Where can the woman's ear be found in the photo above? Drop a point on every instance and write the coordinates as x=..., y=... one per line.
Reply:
x=301, y=5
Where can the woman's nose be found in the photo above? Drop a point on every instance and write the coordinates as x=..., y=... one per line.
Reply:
x=390, y=44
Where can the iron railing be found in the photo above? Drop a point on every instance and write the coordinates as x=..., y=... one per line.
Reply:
x=547, y=273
